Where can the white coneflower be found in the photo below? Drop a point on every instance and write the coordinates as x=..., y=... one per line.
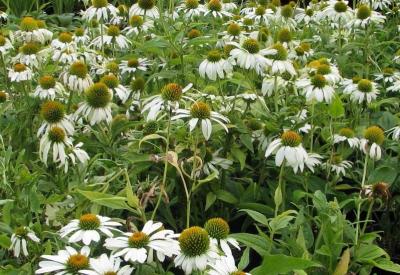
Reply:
x=214, y=8
x=100, y=10
x=378, y=4
x=96, y=107
x=218, y=230
x=277, y=60
x=312, y=160
x=284, y=16
x=76, y=78
x=191, y=8
x=346, y=135
x=137, y=25
x=108, y=66
x=200, y=113
x=88, y=228
x=112, y=37
x=261, y=14
x=3, y=15
x=215, y=66
x=338, y=11
x=324, y=67
x=141, y=245
x=48, y=88
x=212, y=162
x=68, y=261
x=228, y=5
x=5, y=45
x=20, y=72
x=288, y=148
x=364, y=16
x=80, y=36
x=47, y=34
x=395, y=133
x=232, y=33
x=170, y=96
x=305, y=16
x=29, y=54
x=107, y=265
x=20, y=239
x=249, y=56
x=388, y=75
x=196, y=250
x=338, y=165
x=271, y=84
x=146, y=8
x=363, y=90
x=134, y=64
x=53, y=114
x=114, y=85
x=225, y=266
x=372, y=141
x=29, y=31
x=64, y=42
x=301, y=51
x=317, y=88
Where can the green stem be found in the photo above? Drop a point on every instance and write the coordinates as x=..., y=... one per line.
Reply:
x=371, y=205
x=312, y=127
x=359, y=203
x=282, y=188
x=70, y=98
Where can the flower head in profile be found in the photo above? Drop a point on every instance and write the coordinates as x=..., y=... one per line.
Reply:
x=196, y=250
x=200, y=113
x=362, y=90
x=364, y=16
x=133, y=64
x=107, y=265
x=218, y=230
x=20, y=72
x=395, y=133
x=96, y=107
x=317, y=88
x=77, y=77
x=68, y=261
x=191, y=8
x=225, y=265
x=338, y=11
x=289, y=150
x=115, y=86
x=48, y=88
x=53, y=114
x=372, y=141
x=278, y=61
x=5, y=45
x=338, y=165
x=215, y=66
x=29, y=31
x=215, y=9
x=346, y=135
x=88, y=228
x=140, y=246
x=111, y=38
x=169, y=98
x=100, y=10
x=138, y=25
x=20, y=239
x=145, y=8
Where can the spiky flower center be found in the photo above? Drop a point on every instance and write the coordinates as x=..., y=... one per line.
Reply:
x=363, y=12
x=287, y=11
x=276, y=3
x=56, y=134
x=260, y=11
x=113, y=31
x=356, y=79
x=78, y=69
x=133, y=63
x=89, y=222
x=309, y=12
x=381, y=189
x=365, y=86
x=238, y=272
x=233, y=29
x=299, y=51
x=146, y=4
x=336, y=159
x=324, y=69
x=248, y=21
x=346, y=132
x=98, y=4
x=150, y=127
x=138, y=84
x=291, y=138
x=77, y=262
x=28, y=24
x=2, y=40
x=30, y=48
x=171, y=92
x=19, y=67
x=374, y=134
x=3, y=96
x=138, y=240
x=194, y=241
x=65, y=37
x=21, y=231
x=251, y=45
x=284, y=35
x=136, y=21
x=112, y=67
x=98, y=95
x=214, y=56
x=227, y=49
x=318, y=81
x=217, y=228
x=340, y=6
x=110, y=80
x=214, y=5
x=200, y=110
x=388, y=71
x=281, y=52
x=305, y=46
x=110, y=273
x=254, y=124
x=79, y=32
x=52, y=111
x=192, y=4
x=193, y=33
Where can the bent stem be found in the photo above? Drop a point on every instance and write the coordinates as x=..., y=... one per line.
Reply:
x=162, y=186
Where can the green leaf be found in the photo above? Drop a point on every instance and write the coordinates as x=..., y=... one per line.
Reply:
x=387, y=265
x=107, y=200
x=282, y=220
x=336, y=108
x=225, y=196
x=210, y=199
x=5, y=241
x=258, y=217
x=282, y=264
x=132, y=199
x=151, y=137
x=343, y=265
x=383, y=174
x=245, y=260
x=260, y=244
x=239, y=156
x=246, y=140
x=368, y=252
